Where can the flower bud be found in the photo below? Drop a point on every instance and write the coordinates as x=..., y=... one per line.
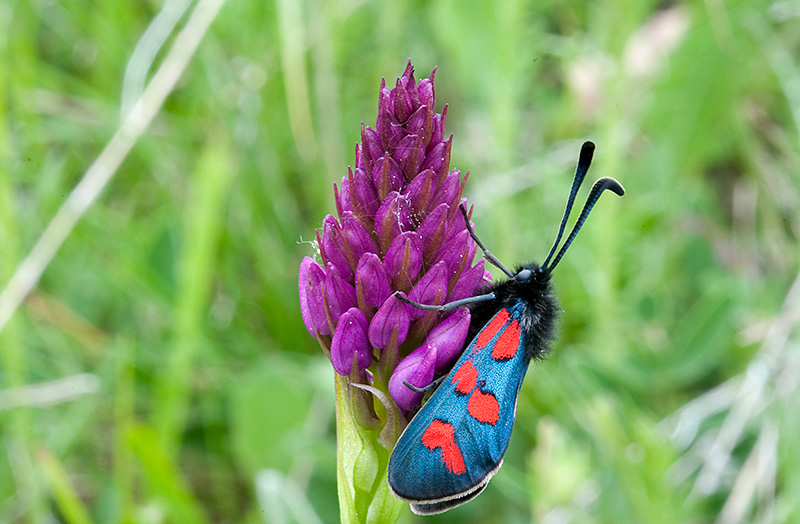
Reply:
x=430, y=290
x=372, y=284
x=454, y=254
x=331, y=246
x=339, y=295
x=432, y=231
x=312, y=306
x=342, y=197
x=392, y=218
x=390, y=318
x=350, y=345
x=363, y=197
x=417, y=369
x=438, y=159
x=357, y=240
x=403, y=260
x=410, y=153
x=421, y=125
x=448, y=338
x=371, y=147
x=386, y=176
x=420, y=191
x=471, y=279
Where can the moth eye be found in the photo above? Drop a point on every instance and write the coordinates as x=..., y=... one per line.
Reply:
x=524, y=275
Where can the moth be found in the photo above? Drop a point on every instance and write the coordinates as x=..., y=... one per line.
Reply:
x=456, y=442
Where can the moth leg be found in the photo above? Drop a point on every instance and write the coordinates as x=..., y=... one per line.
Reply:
x=486, y=253
x=450, y=305
x=430, y=387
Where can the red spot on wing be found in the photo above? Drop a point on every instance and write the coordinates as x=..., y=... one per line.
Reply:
x=491, y=329
x=441, y=434
x=483, y=407
x=508, y=344
x=465, y=378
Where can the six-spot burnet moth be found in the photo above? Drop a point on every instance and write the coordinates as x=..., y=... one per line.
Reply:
x=456, y=442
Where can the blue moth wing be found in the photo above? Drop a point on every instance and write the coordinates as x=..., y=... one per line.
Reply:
x=456, y=442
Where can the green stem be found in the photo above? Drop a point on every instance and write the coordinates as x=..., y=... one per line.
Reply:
x=364, y=496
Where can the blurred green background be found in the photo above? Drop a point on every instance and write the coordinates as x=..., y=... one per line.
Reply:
x=160, y=371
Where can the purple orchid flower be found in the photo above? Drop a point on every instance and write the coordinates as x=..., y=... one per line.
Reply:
x=399, y=228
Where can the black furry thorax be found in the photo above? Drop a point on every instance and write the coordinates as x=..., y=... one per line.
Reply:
x=532, y=286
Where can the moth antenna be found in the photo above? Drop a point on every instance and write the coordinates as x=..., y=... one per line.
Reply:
x=597, y=190
x=584, y=161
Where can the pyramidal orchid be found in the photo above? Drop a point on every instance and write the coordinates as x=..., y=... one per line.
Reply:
x=398, y=228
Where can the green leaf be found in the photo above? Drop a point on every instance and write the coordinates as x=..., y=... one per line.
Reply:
x=394, y=419
x=66, y=498
x=364, y=495
x=269, y=408
x=164, y=479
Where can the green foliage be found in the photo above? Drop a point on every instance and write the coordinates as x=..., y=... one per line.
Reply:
x=160, y=371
